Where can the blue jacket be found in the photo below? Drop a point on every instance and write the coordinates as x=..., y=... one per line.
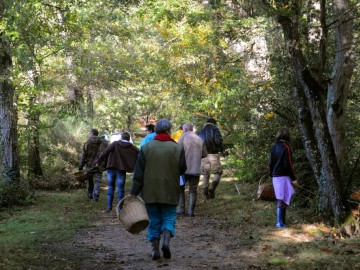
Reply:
x=148, y=138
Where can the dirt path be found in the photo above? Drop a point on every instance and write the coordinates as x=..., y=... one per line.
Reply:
x=200, y=243
x=238, y=234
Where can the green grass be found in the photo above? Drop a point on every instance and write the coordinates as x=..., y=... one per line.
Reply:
x=52, y=217
x=28, y=233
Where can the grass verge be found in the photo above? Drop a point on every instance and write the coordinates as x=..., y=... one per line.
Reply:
x=53, y=217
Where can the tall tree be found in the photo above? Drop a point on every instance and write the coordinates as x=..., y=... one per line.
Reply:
x=321, y=57
x=10, y=170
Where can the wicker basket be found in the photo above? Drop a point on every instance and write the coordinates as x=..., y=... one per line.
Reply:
x=266, y=192
x=133, y=215
x=81, y=176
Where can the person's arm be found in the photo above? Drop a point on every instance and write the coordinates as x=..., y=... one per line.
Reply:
x=291, y=167
x=104, y=154
x=218, y=140
x=286, y=160
x=182, y=165
x=204, y=151
x=138, y=178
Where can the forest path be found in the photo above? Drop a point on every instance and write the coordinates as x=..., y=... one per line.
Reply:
x=232, y=231
x=201, y=242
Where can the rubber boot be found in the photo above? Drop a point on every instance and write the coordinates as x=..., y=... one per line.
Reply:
x=192, y=204
x=90, y=186
x=110, y=199
x=181, y=205
x=213, y=186
x=279, y=215
x=166, y=244
x=155, y=249
x=283, y=216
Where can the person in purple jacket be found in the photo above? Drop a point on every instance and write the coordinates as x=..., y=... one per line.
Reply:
x=282, y=173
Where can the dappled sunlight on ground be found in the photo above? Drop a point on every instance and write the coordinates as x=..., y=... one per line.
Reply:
x=297, y=234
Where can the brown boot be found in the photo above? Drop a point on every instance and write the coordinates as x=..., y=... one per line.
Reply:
x=155, y=249
x=166, y=244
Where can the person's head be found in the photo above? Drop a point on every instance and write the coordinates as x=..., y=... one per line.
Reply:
x=150, y=128
x=283, y=134
x=94, y=132
x=163, y=126
x=211, y=121
x=125, y=136
x=187, y=127
x=181, y=127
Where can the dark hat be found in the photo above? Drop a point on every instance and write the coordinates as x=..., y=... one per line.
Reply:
x=211, y=120
x=150, y=127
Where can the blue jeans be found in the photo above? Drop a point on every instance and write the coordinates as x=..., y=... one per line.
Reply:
x=162, y=216
x=120, y=178
x=93, y=185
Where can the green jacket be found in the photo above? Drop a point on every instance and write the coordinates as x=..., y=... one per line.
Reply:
x=157, y=172
x=91, y=150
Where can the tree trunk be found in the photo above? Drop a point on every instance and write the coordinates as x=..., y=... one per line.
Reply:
x=10, y=170
x=75, y=94
x=339, y=86
x=307, y=132
x=34, y=159
x=90, y=112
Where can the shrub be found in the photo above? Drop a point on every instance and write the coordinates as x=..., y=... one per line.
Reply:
x=14, y=194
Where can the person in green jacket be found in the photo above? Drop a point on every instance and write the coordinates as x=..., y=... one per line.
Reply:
x=157, y=171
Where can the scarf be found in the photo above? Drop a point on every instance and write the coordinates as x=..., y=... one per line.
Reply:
x=163, y=137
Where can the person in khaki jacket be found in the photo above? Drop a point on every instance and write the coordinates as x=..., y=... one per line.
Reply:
x=195, y=150
x=90, y=151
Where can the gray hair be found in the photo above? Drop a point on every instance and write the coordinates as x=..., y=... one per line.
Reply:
x=163, y=126
x=188, y=126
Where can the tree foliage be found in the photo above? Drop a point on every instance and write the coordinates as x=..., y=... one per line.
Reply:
x=120, y=64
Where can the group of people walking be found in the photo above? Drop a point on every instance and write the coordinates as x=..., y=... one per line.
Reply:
x=162, y=168
x=157, y=167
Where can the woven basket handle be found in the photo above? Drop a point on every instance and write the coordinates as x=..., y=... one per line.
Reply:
x=121, y=202
x=261, y=179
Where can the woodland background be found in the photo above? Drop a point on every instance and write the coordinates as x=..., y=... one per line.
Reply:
x=255, y=66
